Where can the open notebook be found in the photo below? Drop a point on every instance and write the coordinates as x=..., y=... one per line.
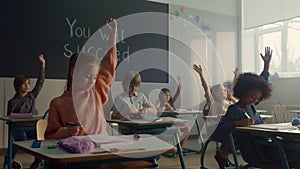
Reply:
x=275, y=126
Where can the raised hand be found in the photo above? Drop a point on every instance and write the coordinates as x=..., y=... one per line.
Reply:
x=236, y=72
x=42, y=60
x=179, y=81
x=197, y=68
x=268, y=55
x=111, y=23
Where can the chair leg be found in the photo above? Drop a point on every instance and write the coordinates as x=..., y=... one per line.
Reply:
x=203, y=150
x=4, y=163
x=233, y=151
x=154, y=162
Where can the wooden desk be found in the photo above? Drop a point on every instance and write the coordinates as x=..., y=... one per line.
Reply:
x=148, y=146
x=266, y=116
x=295, y=112
x=19, y=124
x=262, y=111
x=179, y=112
x=155, y=128
x=290, y=134
x=185, y=114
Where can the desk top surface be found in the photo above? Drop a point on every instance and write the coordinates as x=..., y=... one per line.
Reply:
x=278, y=129
x=294, y=111
x=156, y=121
x=266, y=116
x=183, y=111
x=262, y=111
x=8, y=119
x=145, y=147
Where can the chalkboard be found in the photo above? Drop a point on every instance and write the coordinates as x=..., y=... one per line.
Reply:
x=57, y=28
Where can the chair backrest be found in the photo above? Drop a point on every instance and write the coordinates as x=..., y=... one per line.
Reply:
x=206, y=109
x=45, y=116
x=280, y=113
x=41, y=126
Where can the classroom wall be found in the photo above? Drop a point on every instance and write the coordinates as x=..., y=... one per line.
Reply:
x=285, y=90
x=213, y=47
x=227, y=7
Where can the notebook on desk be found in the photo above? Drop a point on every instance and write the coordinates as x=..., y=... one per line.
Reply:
x=275, y=126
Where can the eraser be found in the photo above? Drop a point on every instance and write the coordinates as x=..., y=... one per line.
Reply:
x=52, y=147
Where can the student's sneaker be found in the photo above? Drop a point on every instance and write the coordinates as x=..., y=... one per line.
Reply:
x=222, y=162
x=35, y=164
x=16, y=164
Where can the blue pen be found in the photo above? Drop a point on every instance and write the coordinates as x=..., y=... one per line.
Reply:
x=74, y=124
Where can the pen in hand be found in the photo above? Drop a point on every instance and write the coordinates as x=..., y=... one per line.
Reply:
x=250, y=121
x=246, y=114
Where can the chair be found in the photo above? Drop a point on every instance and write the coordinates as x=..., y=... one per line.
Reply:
x=204, y=145
x=45, y=116
x=113, y=126
x=280, y=113
x=41, y=126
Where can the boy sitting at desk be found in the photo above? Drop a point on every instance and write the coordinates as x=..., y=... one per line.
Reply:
x=132, y=104
x=24, y=102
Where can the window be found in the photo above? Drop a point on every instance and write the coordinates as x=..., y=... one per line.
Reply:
x=284, y=39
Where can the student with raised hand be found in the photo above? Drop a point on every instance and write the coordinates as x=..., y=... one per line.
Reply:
x=24, y=102
x=167, y=103
x=132, y=104
x=215, y=97
x=165, y=100
x=86, y=92
x=229, y=86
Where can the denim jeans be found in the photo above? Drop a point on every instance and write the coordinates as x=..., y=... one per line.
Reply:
x=21, y=135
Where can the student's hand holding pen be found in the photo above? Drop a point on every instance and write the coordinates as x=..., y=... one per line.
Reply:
x=73, y=130
x=244, y=122
x=68, y=131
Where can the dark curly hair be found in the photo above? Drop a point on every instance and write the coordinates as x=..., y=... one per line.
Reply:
x=250, y=81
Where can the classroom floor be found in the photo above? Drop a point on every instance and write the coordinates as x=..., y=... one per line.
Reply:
x=192, y=161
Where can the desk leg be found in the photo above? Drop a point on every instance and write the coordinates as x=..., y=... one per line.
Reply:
x=9, y=143
x=179, y=149
x=282, y=153
x=199, y=132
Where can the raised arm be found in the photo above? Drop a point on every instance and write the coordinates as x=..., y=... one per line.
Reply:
x=177, y=94
x=267, y=59
x=208, y=95
x=106, y=72
x=39, y=83
x=236, y=73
